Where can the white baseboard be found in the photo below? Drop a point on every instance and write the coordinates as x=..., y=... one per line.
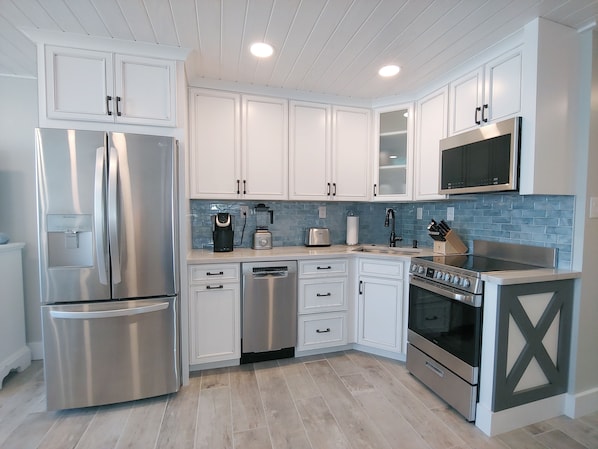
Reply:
x=18, y=360
x=494, y=423
x=581, y=404
x=37, y=350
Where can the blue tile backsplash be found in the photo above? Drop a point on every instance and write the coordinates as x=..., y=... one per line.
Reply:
x=512, y=218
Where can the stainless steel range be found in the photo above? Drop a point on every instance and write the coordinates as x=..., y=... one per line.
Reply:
x=445, y=316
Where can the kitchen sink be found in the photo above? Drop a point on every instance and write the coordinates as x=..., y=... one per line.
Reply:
x=398, y=250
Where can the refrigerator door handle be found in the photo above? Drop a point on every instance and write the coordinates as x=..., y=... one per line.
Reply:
x=98, y=213
x=113, y=215
x=108, y=313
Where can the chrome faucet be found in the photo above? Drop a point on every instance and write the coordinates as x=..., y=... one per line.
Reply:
x=393, y=239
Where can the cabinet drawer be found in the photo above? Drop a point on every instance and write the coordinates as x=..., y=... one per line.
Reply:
x=322, y=295
x=214, y=272
x=322, y=330
x=376, y=267
x=322, y=267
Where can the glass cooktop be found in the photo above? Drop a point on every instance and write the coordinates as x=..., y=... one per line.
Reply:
x=478, y=264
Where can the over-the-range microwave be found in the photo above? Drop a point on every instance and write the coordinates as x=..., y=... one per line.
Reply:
x=485, y=159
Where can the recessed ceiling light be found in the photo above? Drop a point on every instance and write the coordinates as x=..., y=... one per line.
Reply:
x=261, y=50
x=389, y=70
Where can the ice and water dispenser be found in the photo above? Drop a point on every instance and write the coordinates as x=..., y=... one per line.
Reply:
x=70, y=240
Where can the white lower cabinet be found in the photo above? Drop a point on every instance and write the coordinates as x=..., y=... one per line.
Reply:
x=380, y=305
x=214, y=313
x=322, y=305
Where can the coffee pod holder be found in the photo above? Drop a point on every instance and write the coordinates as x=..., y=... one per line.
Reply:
x=451, y=244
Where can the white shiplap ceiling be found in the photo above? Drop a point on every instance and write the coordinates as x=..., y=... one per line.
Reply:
x=321, y=46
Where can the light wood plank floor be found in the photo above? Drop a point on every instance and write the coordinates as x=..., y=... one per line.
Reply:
x=345, y=400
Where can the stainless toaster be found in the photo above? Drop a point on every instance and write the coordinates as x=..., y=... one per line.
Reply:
x=317, y=237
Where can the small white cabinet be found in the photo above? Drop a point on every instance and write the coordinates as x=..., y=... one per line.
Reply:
x=393, y=165
x=14, y=352
x=431, y=126
x=214, y=313
x=322, y=306
x=490, y=93
x=329, y=152
x=89, y=85
x=239, y=146
x=380, y=304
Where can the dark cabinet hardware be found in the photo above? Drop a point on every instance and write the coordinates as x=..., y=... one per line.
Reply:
x=321, y=295
x=484, y=109
x=108, y=100
x=238, y=186
x=324, y=268
x=324, y=331
x=476, y=119
x=220, y=273
x=244, y=187
x=334, y=189
x=375, y=185
x=209, y=287
x=118, y=110
x=360, y=287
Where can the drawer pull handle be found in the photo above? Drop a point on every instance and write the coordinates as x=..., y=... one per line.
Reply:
x=324, y=331
x=324, y=268
x=220, y=273
x=434, y=369
x=209, y=287
x=320, y=295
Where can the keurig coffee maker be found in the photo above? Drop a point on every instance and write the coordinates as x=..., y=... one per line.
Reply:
x=222, y=232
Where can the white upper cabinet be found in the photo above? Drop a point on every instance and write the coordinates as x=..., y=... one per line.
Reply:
x=239, y=146
x=488, y=94
x=215, y=148
x=264, y=148
x=350, y=153
x=309, y=151
x=393, y=165
x=431, y=126
x=89, y=85
x=549, y=132
x=329, y=152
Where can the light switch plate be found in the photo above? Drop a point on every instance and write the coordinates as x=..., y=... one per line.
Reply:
x=594, y=207
x=322, y=212
x=420, y=213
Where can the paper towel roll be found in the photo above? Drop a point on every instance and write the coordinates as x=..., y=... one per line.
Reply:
x=352, y=230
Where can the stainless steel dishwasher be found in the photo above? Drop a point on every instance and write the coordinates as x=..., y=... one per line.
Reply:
x=269, y=311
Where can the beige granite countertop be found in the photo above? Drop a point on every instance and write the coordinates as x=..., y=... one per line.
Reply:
x=205, y=256
x=197, y=256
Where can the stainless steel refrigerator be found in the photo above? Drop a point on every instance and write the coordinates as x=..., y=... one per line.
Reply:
x=107, y=220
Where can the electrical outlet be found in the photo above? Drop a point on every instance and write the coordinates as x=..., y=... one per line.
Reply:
x=420, y=213
x=450, y=213
x=244, y=211
x=322, y=212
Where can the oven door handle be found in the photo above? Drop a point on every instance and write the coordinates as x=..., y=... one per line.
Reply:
x=473, y=300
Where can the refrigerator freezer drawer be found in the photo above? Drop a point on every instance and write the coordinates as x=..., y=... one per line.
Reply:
x=108, y=352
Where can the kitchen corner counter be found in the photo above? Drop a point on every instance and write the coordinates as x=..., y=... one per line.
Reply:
x=529, y=276
x=198, y=256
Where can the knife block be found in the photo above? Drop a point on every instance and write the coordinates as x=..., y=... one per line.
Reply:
x=451, y=245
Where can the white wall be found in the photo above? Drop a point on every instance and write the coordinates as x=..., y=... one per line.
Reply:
x=584, y=381
x=18, y=118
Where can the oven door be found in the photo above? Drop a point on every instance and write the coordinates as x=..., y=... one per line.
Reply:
x=446, y=324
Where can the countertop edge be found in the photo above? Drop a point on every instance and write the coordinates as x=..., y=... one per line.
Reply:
x=6, y=247
x=204, y=256
x=529, y=276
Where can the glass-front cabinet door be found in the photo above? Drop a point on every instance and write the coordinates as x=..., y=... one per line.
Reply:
x=392, y=164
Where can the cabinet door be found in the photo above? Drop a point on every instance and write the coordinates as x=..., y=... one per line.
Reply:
x=466, y=102
x=431, y=127
x=350, y=154
x=393, y=165
x=79, y=84
x=265, y=148
x=215, y=150
x=309, y=150
x=214, y=323
x=503, y=87
x=380, y=313
x=145, y=90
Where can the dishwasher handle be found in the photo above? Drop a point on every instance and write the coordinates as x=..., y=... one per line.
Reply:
x=269, y=272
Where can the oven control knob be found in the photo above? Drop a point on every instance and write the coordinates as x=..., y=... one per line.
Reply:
x=456, y=280
x=421, y=270
x=414, y=268
x=439, y=274
x=447, y=277
x=465, y=282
